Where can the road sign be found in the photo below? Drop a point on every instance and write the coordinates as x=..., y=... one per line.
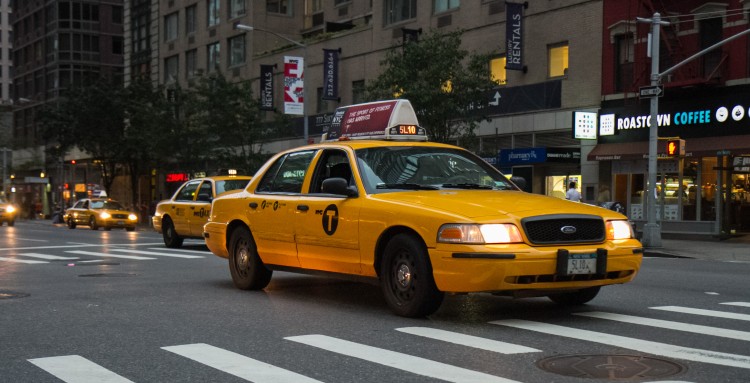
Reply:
x=651, y=91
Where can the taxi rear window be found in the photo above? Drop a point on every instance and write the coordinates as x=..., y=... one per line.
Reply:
x=227, y=185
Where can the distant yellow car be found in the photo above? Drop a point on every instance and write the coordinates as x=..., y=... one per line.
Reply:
x=8, y=212
x=100, y=212
x=184, y=215
x=422, y=219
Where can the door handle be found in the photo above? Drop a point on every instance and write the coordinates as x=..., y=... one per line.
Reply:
x=253, y=205
x=303, y=207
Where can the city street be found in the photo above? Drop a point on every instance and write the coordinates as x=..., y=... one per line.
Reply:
x=115, y=306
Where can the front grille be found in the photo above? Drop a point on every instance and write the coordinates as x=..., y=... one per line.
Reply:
x=120, y=216
x=562, y=229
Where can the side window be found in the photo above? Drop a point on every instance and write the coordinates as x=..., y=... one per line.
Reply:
x=333, y=163
x=205, y=192
x=187, y=193
x=79, y=205
x=287, y=173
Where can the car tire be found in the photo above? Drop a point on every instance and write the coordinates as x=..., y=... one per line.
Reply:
x=130, y=229
x=92, y=224
x=406, y=278
x=247, y=269
x=71, y=223
x=12, y=222
x=107, y=228
x=171, y=239
x=575, y=298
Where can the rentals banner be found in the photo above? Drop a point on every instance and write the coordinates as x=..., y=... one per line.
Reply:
x=331, y=74
x=294, y=85
x=266, y=87
x=514, y=36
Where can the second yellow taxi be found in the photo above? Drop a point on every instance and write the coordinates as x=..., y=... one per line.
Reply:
x=100, y=212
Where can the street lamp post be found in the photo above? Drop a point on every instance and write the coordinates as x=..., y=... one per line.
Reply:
x=304, y=69
x=5, y=166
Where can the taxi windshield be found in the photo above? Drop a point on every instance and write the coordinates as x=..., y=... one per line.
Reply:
x=426, y=168
x=108, y=205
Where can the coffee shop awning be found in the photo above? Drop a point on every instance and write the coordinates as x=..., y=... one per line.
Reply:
x=694, y=147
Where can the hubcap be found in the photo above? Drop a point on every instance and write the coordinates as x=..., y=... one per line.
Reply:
x=242, y=259
x=403, y=276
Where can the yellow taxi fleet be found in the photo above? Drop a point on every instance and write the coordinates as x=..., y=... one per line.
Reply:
x=184, y=215
x=423, y=219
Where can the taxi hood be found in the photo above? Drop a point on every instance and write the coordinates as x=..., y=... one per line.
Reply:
x=489, y=203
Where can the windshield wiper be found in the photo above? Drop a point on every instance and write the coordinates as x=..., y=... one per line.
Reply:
x=407, y=186
x=468, y=186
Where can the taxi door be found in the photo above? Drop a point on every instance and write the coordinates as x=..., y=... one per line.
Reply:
x=327, y=226
x=200, y=208
x=179, y=210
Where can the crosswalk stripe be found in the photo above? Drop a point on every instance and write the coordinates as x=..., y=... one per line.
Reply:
x=405, y=362
x=468, y=340
x=182, y=250
x=237, y=365
x=159, y=254
x=655, y=348
x=671, y=325
x=15, y=260
x=46, y=256
x=710, y=313
x=82, y=252
x=741, y=304
x=76, y=369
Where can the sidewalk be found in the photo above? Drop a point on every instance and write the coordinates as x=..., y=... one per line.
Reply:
x=736, y=248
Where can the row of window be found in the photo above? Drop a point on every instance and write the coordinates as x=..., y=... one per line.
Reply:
x=236, y=57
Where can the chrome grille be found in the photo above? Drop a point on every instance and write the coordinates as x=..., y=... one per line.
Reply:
x=563, y=229
x=120, y=216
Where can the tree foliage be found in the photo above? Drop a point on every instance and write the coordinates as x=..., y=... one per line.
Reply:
x=445, y=83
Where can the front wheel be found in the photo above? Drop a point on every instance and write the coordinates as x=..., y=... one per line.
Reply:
x=93, y=224
x=575, y=298
x=171, y=239
x=12, y=222
x=71, y=223
x=406, y=278
x=247, y=269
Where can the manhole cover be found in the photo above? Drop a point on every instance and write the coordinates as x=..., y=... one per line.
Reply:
x=12, y=294
x=109, y=275
x=611, y=367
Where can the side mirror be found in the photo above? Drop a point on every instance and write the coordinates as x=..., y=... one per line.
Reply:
x=204, y=197
x=336, y=185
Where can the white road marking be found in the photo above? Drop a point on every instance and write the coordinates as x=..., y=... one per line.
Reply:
x=73, y=245
x=108, y=255
x=654, y=348
x=155, y=253
x=740, y=304
x=46, y=256
x=671, y=325
x=405, y=362
x=76, y=369
x=468, y=340
x=15, y=260
x=182, y=250
x=710, y=313
x=238, y=365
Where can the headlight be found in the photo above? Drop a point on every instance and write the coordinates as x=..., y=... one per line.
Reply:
x=10, y=209
x=619, y=230
x=479, y=234
x=104, y=215
x=132, y=217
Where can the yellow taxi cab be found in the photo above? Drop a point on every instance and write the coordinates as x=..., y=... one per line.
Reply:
x=184, y=215
x=8, y=212
x=422, y=219
x=100, y=212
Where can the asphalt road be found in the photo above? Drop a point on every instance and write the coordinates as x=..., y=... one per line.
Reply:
x=94, y=306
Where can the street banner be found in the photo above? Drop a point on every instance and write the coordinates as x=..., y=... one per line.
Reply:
x=514, y=36
x=266, y=87
x=294, y=85
x=331, y=74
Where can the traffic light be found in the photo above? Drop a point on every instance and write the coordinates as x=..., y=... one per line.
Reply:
x=675, y=148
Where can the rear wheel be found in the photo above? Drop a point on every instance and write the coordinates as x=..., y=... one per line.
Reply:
x=406, y=278
x=93, y=224
x=247, y=269
x=575, y=298
x=171, y=239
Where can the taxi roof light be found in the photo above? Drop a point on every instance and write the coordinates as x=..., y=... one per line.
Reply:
x=383, y=120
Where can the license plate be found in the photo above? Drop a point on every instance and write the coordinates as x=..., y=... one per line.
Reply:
x=581, y=264
x=120, y=223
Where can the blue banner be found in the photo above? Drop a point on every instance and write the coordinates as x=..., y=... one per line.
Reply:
x=524, y=156
x=331, y=74
x=266, y=87
x=514, y=36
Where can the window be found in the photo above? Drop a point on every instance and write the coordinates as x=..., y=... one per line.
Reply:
x=558, y=60
x=279, y=6
x=117, y=45
x=171, y=65
x=321, y=105
x=444, y=5
x=497, y=70
x=358, y=91
x=287, y=173
x=399, y=10
x=170, y=27
x=190, y=20
x=237, y=50
x=188, y=191
x=213, y=13
x=623, y=62
x=236, y=8
x=190, y=63
x=117, y=15
x=214, y=56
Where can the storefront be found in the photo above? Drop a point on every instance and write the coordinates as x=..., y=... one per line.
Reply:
x=550, y=168
x=703, y=189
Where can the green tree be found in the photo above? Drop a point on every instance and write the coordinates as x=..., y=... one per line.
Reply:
x=446, y=85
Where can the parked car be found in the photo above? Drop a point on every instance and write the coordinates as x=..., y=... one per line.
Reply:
x=100, y=212
x=8, y=212
x=184, y=215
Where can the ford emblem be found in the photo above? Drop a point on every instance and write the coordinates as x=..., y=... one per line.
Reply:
x=568, y=229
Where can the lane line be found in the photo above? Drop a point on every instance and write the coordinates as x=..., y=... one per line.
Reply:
x=108, y=255
x=143, y=252
x=238, y=365
x=670, y=325
x=740, y=304
x=14, y=260
x=710, y=313
x=74, y=245
x=46, y=256
x=182, y=250
x=76, y=369
x=468, y=340
x=405, y=362
x=654, y=348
